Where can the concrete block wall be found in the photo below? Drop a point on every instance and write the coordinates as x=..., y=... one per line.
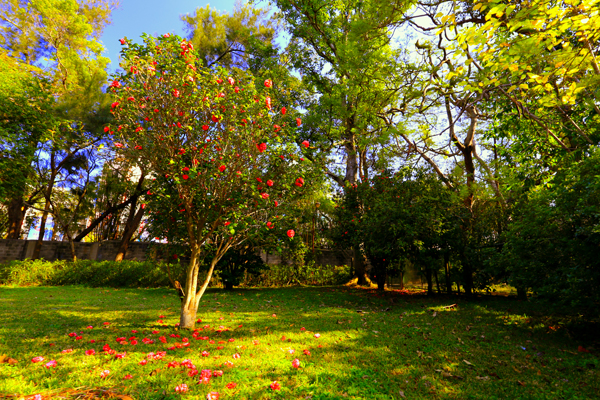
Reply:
x=52, y=250
x=12, y=249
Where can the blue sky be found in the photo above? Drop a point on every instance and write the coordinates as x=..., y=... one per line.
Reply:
x=134, y=17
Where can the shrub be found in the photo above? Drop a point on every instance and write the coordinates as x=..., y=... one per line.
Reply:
x=154, y=274
x=89, y=273
x=307, y=274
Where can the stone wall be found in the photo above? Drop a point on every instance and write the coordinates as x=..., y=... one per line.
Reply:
x=51, y=250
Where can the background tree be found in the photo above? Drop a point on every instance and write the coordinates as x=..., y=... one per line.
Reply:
x=242, y=39
x=60, y=39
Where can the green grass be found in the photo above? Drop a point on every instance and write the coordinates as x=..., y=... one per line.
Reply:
x=371, y=346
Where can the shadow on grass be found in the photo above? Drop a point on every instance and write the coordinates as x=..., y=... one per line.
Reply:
x=371, y=345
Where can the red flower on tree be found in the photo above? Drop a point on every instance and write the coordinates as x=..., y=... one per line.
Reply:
x=291, y=233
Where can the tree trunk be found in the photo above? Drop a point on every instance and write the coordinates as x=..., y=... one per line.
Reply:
x=381, y=277
x=187, y=319
x=71, y=245
x=447, y=271
x=16, y=215
x=468, y=277
x=102, y=217
x=40, y=239
x=133, y=221
x=428, y=276
x=522, y=293
x=402, y=280
x=358, y=264
x=189, y=306
x=437, y=282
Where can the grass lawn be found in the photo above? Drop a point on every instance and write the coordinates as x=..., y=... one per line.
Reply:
x=350, y=343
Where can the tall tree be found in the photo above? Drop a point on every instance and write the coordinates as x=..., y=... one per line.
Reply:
x=61, y=39
x=25, y=116
x=344, y=52
x=241, y=39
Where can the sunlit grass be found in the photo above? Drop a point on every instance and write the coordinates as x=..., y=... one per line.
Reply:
x=370, y=346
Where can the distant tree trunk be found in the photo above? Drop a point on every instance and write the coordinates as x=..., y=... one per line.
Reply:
x=38, y=244
x=402, y=280
x=133, y=221
x=437, y=282
x=522, y=293
x=16, y=215
x=428, y=276
x=48, y=197
x=447, y=271
x=381, y=277
x=102, y=217
x=71, y=245
x=228, y=285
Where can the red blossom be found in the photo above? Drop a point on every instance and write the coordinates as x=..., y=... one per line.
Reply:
x=283, y=110
x=222, y=168
x=268, y=83
x=298, y=121
x=275, y=385
x=291, y=233
x=183, y=388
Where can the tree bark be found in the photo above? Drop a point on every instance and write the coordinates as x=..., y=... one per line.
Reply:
x=447, y=272
x=40, y=240
x=358, y=265
x=429, y=278
x=16, y=215
x=133, y=221
x=102, y=217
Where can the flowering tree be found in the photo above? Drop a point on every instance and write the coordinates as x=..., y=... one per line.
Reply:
x=221, y=156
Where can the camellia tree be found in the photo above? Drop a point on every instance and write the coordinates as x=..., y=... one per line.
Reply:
x=221, y=156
